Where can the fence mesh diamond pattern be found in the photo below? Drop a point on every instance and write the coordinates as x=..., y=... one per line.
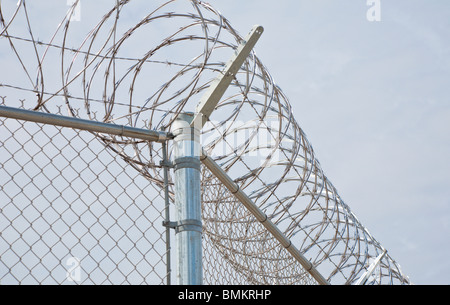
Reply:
x=67, y=201
x=63, y=195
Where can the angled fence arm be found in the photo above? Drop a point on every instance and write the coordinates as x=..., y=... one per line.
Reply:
x=261, y=217
x=216, y=90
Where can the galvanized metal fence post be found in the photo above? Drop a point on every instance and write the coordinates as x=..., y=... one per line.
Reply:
x=165, y=166
x=187, y=201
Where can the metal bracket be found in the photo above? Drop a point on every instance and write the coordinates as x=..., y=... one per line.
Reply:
x=219, y=85
x=187, y=162
x=184, y=225
x=165, y=163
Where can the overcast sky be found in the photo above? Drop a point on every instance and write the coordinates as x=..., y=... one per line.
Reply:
x=373, y=99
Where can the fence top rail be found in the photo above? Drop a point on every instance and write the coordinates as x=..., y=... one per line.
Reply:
x=93, y=126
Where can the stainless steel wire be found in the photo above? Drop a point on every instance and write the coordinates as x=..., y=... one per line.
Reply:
x=141, y=65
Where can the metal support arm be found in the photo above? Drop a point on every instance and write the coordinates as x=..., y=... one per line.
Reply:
x=218, y=87
x=261, y=217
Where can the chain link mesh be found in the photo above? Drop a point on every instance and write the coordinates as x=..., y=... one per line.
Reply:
x=63, y=195
x=247, y=252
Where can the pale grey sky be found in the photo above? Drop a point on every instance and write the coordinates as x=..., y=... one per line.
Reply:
x=373, y=98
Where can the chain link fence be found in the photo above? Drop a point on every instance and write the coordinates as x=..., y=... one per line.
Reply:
x=73, y=211
x=247, y=252
x=87, y=208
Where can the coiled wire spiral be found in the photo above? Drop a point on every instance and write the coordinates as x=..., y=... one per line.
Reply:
x=144, y=74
